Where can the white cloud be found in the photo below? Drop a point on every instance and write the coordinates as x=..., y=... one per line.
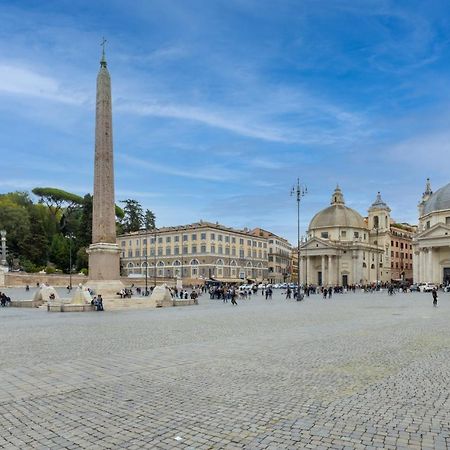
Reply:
x=207, y=117
x=208, y=173
x=140, y=194
x=266, y=164
x=18, y=80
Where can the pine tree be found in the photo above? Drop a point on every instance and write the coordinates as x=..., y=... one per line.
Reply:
x=134, y=216
x=149, y=220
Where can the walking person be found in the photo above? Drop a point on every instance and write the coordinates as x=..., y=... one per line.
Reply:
x=435, y=297
x=233, y=298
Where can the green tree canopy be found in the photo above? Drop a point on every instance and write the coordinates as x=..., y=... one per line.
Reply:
x=149, y=220
x=15, y=220
x=59, y=252
x=134, y=216
x=37, y=233
x=56, y=199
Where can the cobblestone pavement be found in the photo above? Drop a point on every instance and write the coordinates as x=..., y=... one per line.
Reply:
x=360, y=371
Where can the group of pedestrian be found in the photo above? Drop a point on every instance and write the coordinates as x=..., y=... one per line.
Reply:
x=182, y=293
x=125, y=293
x=268, y=293
x=97, y=302
x=4, y=300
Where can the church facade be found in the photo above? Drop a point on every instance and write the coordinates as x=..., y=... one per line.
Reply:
x=432, y=242
x=345, y=248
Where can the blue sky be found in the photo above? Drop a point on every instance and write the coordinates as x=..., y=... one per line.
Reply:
x=219, y=106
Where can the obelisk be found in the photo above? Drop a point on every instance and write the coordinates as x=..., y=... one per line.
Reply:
x=104, y=253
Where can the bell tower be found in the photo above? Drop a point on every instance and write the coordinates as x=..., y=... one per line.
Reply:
x=379, y=215
x=425, y=196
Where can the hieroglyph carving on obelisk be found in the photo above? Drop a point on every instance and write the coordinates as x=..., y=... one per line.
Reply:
x=104, y=261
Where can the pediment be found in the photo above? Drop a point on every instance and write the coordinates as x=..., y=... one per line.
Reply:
x=436, y=231
x=316, y=243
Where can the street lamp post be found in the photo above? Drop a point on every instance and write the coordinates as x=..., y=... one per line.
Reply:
x=304, y=240
x=146, y=270
x=378, y=258
x=299, y=191
x=70, y=237
x=154, y=259
x=182, y=257
x=3, y=261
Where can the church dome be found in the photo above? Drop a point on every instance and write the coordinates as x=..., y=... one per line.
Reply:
x=438, y=201
x=337, y=215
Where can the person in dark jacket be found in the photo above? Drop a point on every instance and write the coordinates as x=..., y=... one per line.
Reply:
x=435, y=297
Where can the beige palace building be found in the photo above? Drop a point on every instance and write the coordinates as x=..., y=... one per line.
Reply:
x=195, y=252
x=279, y=256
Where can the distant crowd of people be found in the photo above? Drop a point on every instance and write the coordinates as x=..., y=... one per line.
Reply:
x=231, y=292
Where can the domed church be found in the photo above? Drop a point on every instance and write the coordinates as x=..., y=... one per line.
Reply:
x=344, y=248
x=432, y=242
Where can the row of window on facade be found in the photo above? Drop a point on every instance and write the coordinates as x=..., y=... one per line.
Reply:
x=447, y=222
x=325, y=235
x=203, y=249
x=402, y=255
x=185, y=238
x=401, y=245
x=402, y=235
x=280, y=252
x=277, y=269
x=280, y=260
x=192, y=262
x=401, y=266
x=279, y=243
x=196, y=269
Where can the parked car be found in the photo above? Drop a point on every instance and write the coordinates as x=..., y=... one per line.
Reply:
x=427, y=287
x=414, y=288
x=447, y=288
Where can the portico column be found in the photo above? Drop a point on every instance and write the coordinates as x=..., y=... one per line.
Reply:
x=354, y=259
x=420, y=265
x=415, y=266
x=323, y=270
x=426, y=271
x=303, y=269
x=338, y=268
x=308, y=269
x=330, y=270
x=430, y=265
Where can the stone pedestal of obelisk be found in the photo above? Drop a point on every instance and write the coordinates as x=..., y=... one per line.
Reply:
x=104, y=253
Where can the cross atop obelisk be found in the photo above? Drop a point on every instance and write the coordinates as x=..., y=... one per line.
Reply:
x=103, y=60
x=104, y=264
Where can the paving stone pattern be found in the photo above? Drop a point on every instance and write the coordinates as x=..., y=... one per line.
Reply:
x=360, y=371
